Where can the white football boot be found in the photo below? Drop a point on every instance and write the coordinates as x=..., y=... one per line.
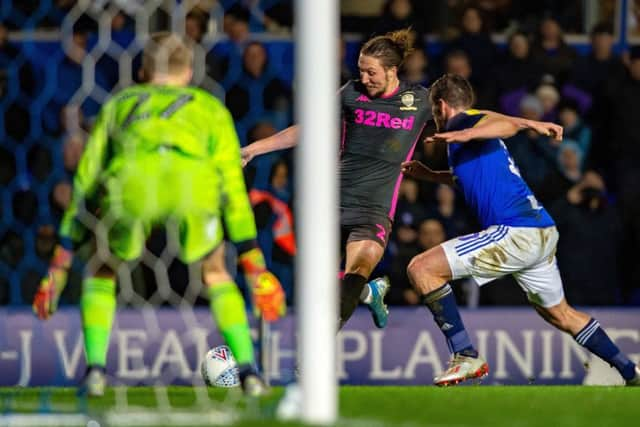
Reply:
x=462, y=368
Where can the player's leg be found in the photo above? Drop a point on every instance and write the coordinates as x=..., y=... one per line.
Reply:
x=372, y=293
x=588, y=333
x=97, y=309
x=485, y=256
x=543, y=285
x=361, y=258
x=430, y=273
x=229, y=313
x=98, y=301
x=201, y=238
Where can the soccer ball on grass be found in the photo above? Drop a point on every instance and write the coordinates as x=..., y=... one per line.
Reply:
x=219, y=368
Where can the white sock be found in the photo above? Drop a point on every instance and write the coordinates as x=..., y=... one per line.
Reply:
x=366, y=296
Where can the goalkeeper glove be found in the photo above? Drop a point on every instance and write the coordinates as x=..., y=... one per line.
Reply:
x=45, y=301
x=268, y=295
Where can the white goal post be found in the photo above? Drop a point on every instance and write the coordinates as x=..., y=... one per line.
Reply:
x=316, y=25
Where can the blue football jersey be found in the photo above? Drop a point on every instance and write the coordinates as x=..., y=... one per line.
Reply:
x=490, y=180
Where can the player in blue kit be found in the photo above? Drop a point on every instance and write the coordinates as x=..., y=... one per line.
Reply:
x=519, y=238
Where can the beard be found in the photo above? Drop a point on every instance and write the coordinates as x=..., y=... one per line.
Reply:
x=375, y=92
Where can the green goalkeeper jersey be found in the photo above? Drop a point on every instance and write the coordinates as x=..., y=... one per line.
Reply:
x=159, y=152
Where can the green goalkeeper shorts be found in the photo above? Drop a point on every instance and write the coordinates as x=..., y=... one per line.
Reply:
x=162, y=189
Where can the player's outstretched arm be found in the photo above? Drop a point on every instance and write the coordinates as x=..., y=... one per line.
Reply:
x=420, y=171
x=495, y=125
x=284, y=139
x=544, y=128
x=268, y=295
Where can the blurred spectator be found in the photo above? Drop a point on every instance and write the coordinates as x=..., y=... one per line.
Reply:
x=415, y=68
x=69, y=82
x=569, y=13
x=456, y=221
x=517, y=70
x=430, y=234
x=279, y=183
x=276, y=238
x=476, y=42
x=575, y=129
x=236, y=24
x=551, y=51
x=601, y=64
x=258, y=90
x=534, y=154
x=360, y=16
x=398, y=14
x=569, y=171
x=258, y=172
x=457, y=62
x=195, y=24
x=224, y=61
x=590, y=244
x=549, y=98
x=592, y=74
x=496, y=14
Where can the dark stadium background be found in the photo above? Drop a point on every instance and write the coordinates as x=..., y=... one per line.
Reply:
x=537, y=59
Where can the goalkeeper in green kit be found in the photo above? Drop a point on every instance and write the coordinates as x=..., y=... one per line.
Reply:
x=160, y=153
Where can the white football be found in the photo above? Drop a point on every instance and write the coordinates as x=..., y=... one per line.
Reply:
x=219, y=368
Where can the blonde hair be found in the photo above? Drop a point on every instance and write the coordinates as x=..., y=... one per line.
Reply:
x=166, y=53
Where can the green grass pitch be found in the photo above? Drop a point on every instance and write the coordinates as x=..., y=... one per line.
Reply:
x=364, y=406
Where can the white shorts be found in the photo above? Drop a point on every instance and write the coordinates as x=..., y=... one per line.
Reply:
x=529, y=254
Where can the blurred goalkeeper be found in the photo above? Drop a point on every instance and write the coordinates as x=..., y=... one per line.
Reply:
x=162, y=153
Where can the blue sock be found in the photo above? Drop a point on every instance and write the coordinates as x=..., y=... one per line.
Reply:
x=595, y=339
x=442, y=304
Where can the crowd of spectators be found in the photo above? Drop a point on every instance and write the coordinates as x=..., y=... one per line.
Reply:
x=589, y=181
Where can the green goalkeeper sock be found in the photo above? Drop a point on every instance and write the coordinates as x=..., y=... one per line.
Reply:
x=228, y=310
x=97, y=305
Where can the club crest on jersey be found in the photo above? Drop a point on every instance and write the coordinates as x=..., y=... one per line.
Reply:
x=407, y=100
